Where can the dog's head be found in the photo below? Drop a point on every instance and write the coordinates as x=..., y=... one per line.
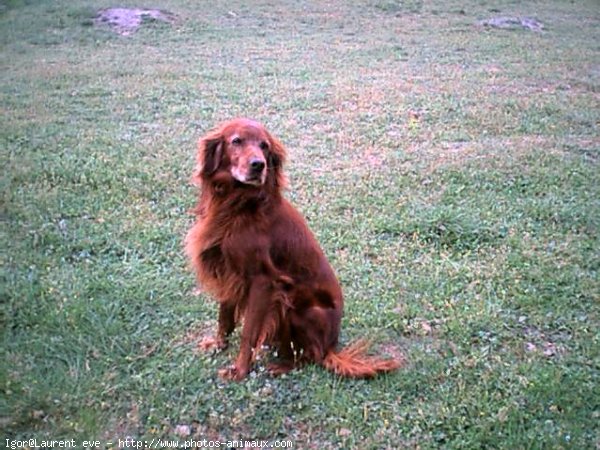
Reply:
x=245, y=150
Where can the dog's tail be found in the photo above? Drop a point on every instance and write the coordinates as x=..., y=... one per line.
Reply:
x=353, y=362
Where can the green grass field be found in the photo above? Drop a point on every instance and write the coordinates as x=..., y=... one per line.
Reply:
x=449, y=170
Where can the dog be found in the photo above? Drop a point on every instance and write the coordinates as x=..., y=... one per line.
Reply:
x=253, y=251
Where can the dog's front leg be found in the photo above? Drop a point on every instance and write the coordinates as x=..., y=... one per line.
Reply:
x=225, y=328
x=257, y=318
x=285, y=350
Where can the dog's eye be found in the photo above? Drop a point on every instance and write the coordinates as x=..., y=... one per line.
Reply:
x=264, y=146
x=236, y=141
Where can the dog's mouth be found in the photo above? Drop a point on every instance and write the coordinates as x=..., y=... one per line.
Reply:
x=254, y=180
x=249, y=177
x=249, y=180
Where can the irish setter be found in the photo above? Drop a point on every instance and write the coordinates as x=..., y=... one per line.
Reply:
x=254, y=252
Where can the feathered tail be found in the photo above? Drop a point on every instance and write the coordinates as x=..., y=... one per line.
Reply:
x=353, y=362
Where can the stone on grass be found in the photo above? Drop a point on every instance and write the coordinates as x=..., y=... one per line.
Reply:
x=513, y=23
x=125, y=21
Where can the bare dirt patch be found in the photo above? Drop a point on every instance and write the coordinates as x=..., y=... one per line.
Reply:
x=126, y=21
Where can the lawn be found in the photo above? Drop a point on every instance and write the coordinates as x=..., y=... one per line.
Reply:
x=449, y=170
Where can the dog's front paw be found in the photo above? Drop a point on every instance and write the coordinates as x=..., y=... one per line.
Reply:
x=280, y=368
x=211, y=343
x=232, y=373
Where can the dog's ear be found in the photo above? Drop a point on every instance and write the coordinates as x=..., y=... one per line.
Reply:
x=210, y=153
x=275, y=160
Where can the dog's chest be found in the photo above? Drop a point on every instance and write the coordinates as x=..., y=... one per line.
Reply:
x=213, y=260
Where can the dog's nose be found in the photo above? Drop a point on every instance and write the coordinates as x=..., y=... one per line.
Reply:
x=257, y=165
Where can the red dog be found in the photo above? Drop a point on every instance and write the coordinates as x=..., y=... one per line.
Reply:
x=254, y=252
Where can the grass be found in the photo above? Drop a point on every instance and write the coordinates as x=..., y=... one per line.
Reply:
x=449, y=171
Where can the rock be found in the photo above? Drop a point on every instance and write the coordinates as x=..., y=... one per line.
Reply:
x=183, y=430
x=513, y=23
x=125, y=21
